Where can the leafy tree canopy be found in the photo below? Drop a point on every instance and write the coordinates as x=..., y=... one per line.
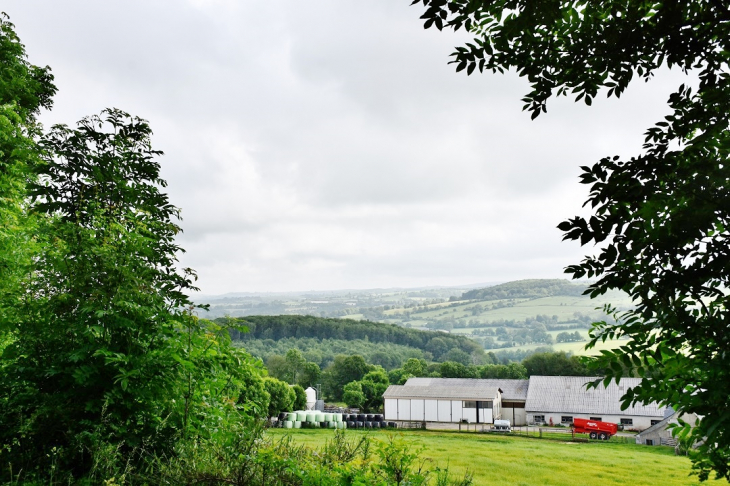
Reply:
x=661, y=219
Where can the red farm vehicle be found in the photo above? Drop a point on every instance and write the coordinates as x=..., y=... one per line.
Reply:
x=594, y=428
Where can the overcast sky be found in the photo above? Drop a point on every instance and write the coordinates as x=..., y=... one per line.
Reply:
x=318, y=145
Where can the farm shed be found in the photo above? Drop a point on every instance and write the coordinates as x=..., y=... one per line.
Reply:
x=560, y=399
x=439, y=403
x=514, y=393
x=660, y=434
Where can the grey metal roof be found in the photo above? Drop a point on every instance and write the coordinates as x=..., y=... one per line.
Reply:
x=442, y=392
x=512, y=390
x=568, y=394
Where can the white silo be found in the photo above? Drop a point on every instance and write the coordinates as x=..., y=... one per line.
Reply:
x=311, y=398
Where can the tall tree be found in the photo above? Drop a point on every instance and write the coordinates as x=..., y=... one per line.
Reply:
x=662, y=219
x=104, y=347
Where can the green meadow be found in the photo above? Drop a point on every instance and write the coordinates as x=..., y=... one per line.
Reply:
x=521, y=461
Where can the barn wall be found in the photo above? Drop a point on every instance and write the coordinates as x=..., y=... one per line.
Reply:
x=485, y=416
x=417, y=410
x=431, y=411
x=404, y=409
x=444, y=412
x=469, y=414
x=456, y=411
x=391, y=409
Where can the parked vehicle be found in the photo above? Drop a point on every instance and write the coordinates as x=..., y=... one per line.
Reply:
x=502, y=426
x=594, y=428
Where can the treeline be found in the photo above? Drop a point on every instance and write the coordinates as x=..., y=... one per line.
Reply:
x=323, y=351
x=525, y=289
x=277, y=328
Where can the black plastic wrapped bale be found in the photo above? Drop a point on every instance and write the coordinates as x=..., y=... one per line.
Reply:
x=351, y=424
x=369, y=417
x=361, y=417
x=358, y=425
x=379, y=418
x=392, y=425
x=323, y=425
x=368, y=424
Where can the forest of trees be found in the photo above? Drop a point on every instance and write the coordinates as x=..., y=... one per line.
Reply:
x=288, y=326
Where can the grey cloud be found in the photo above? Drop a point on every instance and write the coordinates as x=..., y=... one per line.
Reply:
x=326, y=144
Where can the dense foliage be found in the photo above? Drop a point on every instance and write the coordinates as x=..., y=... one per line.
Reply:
x=661, y=219
x=525, y=289
x=323, y=352
x=254, y=459
x=558, y=364
x=104, y=349
x=282, y=327
x=25, y=89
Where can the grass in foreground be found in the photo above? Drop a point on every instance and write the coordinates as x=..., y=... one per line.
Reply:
x=519, y=461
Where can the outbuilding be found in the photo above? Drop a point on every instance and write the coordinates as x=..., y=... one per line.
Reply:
x=660, y=433
x=513, y=393
x=558, y=400
x=438, y=403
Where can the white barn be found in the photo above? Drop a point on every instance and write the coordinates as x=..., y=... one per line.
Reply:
x=443, y=403
x=513, y=393
x=559, y=399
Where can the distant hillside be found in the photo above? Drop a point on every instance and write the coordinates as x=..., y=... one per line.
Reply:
x=526, y=289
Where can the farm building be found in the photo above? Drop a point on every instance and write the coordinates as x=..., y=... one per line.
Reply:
x=475, y=403
x=559, y=399
x=514, y=393
x=660, y=434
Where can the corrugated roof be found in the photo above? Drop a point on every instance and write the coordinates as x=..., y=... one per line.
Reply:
x=511, y=389
x=442, y=392
x=568, y=394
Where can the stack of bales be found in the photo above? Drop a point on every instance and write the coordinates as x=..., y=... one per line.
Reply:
x=311, y=419
x=367, y=421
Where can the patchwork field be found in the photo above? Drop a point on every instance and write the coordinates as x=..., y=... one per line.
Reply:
x=519, y=461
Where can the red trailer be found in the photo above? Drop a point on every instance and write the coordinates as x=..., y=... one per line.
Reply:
x=594, y=428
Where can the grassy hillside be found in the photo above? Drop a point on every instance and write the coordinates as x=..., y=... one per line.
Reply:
x=509, y=461
x=525, y=289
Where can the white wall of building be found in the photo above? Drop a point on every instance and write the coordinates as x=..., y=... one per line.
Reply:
x=444, y=412
x=390, y=409
x=417, y=410
x=404, y=409
x=469, y=414
x=638, y=422
x=432, y=411
x=456, y=411
x=485, y=416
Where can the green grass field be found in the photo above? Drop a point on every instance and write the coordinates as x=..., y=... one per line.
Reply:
x=520, y=461
x=575, y=347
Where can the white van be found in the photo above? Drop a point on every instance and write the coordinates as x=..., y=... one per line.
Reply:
x=502, y=426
